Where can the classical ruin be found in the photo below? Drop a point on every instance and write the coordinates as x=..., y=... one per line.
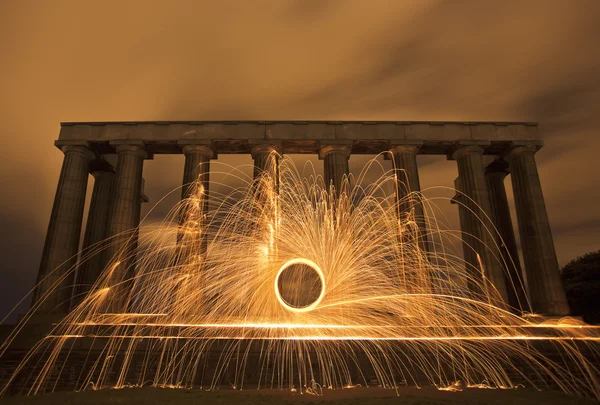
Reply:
x=117, y=193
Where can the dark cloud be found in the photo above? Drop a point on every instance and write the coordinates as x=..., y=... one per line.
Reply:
x=460, y=60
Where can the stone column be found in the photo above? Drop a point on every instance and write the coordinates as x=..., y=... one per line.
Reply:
x=52, y=294
x=266, y=157
x=495, y=174
x=195, y=187
x=541, y=264
x=407, y=177
x=335, y=157
x=124, y=217
x=143, y=198
x=128, y=186
x=266, y=160
x=466, y=228
x=472, y=182
x=96, y=227
x=192, y=236
x=197, y=167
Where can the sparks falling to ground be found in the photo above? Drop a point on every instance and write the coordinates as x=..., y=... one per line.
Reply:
x=308, y=286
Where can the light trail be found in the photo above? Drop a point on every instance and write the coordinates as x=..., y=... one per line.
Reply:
x=316, y=326
x=313, y=266
x=334, y=338
x=205, y=284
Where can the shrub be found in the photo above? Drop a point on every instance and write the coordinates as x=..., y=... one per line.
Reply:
x=581, y=279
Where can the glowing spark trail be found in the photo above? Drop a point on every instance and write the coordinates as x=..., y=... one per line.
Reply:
x=292, y=285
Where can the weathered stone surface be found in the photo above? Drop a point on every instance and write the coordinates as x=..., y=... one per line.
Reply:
x=541, y=264
x=409, y=187
x=333, y=141
x=437, y=132
x=495, y=174
x=124, y=217
x=300, y=136
x=197, y=167
x=55, y=276
x=196, y=174
x=473, y=185
x=261, y=154
x=300, y=131
x=362, y=131
x=467, y=237
x=95, y=230
x=335, y=162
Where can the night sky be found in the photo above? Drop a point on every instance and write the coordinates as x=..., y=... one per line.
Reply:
x=298, y=60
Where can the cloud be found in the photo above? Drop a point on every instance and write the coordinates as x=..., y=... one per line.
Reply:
x=423, y=60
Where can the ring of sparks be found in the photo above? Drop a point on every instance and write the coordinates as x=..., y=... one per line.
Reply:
x=313, y=266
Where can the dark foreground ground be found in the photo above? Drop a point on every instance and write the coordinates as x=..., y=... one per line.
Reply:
x=362, y=396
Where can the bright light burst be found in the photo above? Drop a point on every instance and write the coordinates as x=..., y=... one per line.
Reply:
x=310, y=287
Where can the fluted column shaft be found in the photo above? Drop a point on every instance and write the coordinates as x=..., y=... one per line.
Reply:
x=196, y=173
x=500, y=212
x=95, y=230
x=466, y=228
x=407, y=178
x=128, y=185
x=53, y=292
x=335, y=162
x=123, y=219
x=192, y=236
x=541, y=264
x=472, y=181
x=197, y=167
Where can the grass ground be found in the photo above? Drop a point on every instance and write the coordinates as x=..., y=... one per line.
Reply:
x=354, y=396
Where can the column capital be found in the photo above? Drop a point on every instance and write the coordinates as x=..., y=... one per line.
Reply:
x=197, y=145
x=343, y=148
x=265, y=148
x=137, y=147
x=82, y=147
x=463, y=150
x=519, y=150
x=83, y=150
x=408, y=146
x=203, y=149
x=406, y=149
x=498, y=166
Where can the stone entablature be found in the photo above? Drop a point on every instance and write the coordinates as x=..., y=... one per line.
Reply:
x=366, y=137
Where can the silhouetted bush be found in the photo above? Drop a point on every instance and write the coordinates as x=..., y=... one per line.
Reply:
x=581, y=278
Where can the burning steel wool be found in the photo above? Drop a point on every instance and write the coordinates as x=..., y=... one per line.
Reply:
x=305, y=286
